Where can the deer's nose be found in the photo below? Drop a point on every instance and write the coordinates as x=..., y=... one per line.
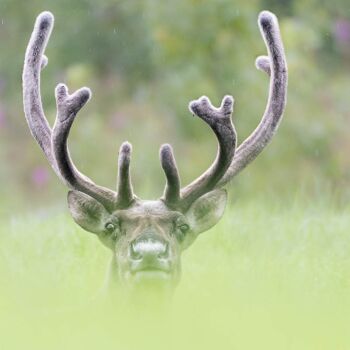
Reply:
x=149, y=249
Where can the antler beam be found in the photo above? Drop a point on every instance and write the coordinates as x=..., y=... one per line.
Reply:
x=54, y=142
x=275, y=66
x=229, y=163
x=219, y=120
x=33, y=109
x=67, y=108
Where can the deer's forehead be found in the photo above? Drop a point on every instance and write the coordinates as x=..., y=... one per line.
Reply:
x=148, y=209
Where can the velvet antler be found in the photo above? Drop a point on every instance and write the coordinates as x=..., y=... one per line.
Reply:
x=229, y=163
x=54, y=142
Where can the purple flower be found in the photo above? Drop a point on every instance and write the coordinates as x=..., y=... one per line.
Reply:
x=2, y=119
x=40, y=176
x=342, y=31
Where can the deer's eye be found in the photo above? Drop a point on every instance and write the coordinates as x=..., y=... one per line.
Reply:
x=181, y=225
x=181, y=228
x=111, y=230
x=110, y=227
x=184, y=228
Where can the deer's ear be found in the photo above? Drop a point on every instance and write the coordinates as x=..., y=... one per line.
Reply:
x=86, y=211
x=207, y=210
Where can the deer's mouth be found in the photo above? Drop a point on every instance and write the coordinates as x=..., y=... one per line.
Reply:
x=154, y=271
x=151, y=274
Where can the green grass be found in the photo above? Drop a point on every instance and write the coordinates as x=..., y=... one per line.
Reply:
x=273, y=274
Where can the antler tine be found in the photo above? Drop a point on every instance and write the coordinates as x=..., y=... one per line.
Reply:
x=54, y=142
x=67, y=108
x=172, y=189
x=263, y=63
x=219, y=119
x=124, y=187
x=276, y=67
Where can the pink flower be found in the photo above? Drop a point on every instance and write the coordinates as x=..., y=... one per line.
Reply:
x=40, y=176
x=2, y=119
x=342, y=31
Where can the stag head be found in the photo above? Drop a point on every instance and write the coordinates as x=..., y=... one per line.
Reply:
x=148, y=236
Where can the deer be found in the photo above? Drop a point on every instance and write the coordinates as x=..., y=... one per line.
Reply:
x=147, y=237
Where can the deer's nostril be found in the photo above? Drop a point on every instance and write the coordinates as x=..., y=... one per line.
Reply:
x=135, y=254
x=149, y=250
x=164, y=254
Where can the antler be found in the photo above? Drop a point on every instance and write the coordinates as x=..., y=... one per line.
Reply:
x=54, y=142
x=228, y=163
x=219, y=120
x=275, y=66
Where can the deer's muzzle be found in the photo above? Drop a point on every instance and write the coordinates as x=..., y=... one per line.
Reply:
x=150, y=254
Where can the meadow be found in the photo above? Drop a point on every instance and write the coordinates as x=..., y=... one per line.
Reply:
x=272, y=274
x=275, y=272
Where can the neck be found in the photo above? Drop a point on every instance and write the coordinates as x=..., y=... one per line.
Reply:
x=112, y=281
x=146, y=294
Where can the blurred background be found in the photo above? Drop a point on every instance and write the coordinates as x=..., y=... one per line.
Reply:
x=275, y=272
x=145, y=60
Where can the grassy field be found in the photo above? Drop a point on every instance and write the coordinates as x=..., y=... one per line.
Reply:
x=273, y=274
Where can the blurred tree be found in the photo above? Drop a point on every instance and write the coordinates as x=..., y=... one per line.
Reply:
x=282, y=7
